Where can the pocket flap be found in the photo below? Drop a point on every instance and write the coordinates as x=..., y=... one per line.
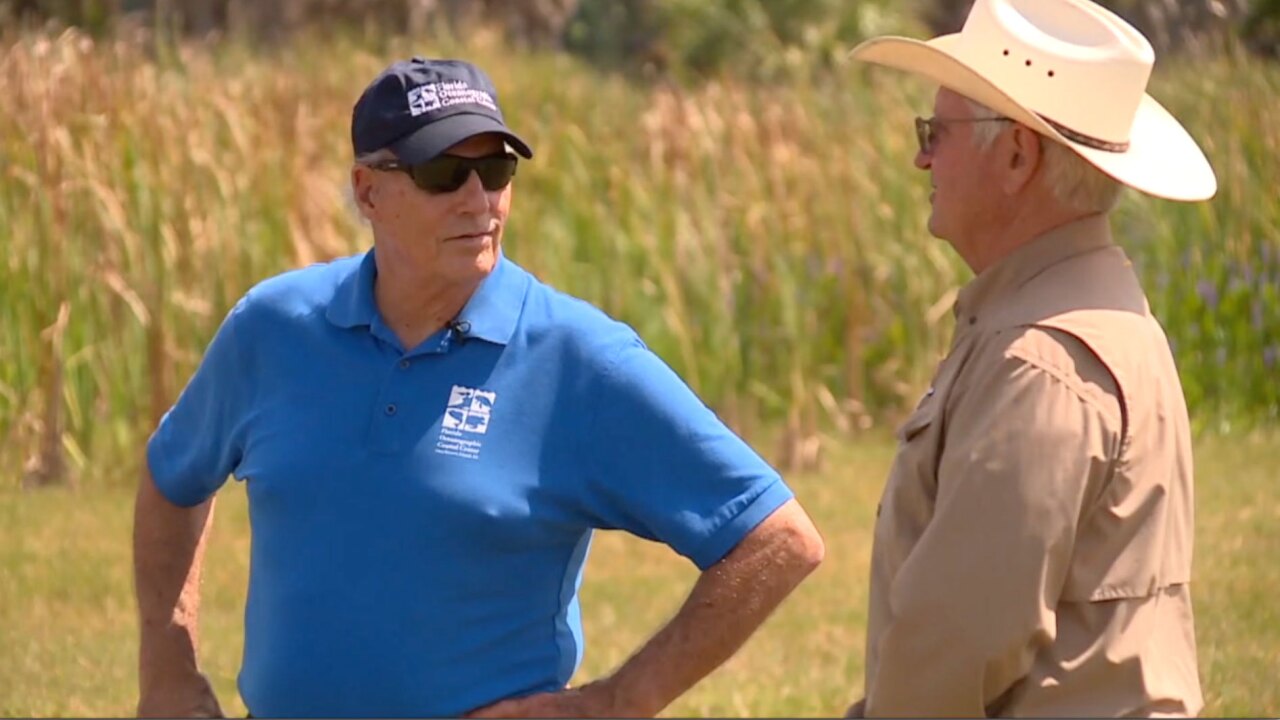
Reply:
x=922, y=418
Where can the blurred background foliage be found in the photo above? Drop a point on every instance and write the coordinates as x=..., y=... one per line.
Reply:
x=689, y=38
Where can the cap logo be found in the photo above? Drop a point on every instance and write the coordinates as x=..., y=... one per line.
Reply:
x=434, y=96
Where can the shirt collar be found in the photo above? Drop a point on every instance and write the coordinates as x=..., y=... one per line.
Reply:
x=491, y=314
x=999, y=281
x=494, y=308
x=352, y=304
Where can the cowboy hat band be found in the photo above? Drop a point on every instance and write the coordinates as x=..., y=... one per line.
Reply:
x=1073, y=72
x=1081, y=138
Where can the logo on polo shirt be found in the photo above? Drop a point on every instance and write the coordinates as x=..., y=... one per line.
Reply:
x=433, y=96
x=469, y=409
x=466, y=417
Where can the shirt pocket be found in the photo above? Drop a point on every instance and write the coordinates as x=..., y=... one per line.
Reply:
x=915, y=469
x=918, y=421
x=906, y=505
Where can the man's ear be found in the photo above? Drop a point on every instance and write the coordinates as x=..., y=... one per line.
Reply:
x=1024, y=154
x=364, y=189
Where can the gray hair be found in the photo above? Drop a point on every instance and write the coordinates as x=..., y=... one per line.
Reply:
x=380, y=155
x=1072, y=179
x=364, y=159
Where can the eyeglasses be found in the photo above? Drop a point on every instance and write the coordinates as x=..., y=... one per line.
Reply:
x=447, y=173
x=927, y=129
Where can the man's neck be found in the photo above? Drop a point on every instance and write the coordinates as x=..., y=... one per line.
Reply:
x=1030, y=221
x=415, y=305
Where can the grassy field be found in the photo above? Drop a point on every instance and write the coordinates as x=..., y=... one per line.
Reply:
x=767, y=240
x=68, y=631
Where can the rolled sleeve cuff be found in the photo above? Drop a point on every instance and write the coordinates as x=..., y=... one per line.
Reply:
x=715, y=547
x=166, y=479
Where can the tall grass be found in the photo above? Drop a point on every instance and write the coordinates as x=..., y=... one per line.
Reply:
x=768, y=241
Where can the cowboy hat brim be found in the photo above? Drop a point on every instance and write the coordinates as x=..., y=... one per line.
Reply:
x=1162, y=159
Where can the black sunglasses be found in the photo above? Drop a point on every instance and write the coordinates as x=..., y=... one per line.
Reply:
x=447, y=173
x=927, y=129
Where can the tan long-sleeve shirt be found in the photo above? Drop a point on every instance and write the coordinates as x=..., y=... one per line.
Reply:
x=1033, y=545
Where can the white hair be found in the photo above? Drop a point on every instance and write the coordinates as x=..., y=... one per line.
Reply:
x=984, y=133
x=1072, y=179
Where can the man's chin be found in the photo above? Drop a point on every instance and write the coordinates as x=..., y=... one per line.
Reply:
x=480, y=258
x=935, y=227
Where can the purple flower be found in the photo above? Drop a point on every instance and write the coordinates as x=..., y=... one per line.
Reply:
x=1208, y=293
x=1255, y=314
x=1270, y=356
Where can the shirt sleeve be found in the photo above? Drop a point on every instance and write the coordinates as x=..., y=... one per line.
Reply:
x=975, y=598
x=200, y=440
x=665, y=468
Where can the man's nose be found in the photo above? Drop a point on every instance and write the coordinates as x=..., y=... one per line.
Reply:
x=923, y=160
x=472, y=194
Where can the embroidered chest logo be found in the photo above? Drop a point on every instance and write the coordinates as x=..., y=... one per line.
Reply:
x=466, y=418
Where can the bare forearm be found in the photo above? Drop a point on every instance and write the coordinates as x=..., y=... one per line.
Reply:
x=728, y=602
x=168, y=548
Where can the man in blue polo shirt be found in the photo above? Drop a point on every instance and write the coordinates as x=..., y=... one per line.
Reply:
x=428, y=436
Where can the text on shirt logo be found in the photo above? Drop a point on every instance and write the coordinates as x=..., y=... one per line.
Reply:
x=465, y=418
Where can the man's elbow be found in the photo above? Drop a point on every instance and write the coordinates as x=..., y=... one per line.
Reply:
x=810, y=549
x=801, y=545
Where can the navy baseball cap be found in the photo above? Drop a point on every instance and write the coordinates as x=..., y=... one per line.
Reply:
x=418, y=108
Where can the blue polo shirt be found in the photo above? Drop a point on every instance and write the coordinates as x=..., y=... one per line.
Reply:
x=421, y=517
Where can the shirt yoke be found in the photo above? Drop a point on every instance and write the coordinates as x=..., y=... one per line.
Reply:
x=1066, y=358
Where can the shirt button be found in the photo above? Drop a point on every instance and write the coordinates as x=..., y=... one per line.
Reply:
x=404, y=364
x=391, y=409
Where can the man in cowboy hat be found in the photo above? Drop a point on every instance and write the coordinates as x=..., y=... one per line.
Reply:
x=1032, y=550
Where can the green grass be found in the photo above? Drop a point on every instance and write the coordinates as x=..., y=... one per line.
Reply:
x=68, y=631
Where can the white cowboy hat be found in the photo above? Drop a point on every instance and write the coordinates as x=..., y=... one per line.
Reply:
x=1072, y=71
